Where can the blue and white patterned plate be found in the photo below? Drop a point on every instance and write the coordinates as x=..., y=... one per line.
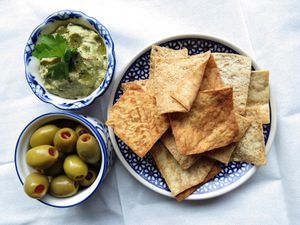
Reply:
x=144, y=169
x=32, y=64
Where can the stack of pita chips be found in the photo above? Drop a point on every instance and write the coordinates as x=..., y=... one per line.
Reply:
x=193, y=113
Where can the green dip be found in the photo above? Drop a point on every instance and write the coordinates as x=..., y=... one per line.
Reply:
x=90, y=64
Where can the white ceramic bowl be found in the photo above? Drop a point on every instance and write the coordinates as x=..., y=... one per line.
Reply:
x=97, y=129
x=50, y=24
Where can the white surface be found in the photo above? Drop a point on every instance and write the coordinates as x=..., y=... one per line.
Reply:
x=268, y=30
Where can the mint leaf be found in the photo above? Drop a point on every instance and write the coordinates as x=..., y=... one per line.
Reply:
x=58, y=71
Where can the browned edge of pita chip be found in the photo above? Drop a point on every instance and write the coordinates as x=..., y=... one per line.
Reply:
x=216, y=169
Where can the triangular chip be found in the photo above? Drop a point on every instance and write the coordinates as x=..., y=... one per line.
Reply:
x=211, y=78
x=185, y=161
x=235, y=71
x=179, y=180
x=259, y=94
x=210, y=124
x=189, y=85
x=171, y=75
x=163, y=52
x=223, y=154
x=251, y=148
x=212, y=173
x=136, y=122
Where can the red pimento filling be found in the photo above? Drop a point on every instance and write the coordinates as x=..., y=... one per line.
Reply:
x=89, y=176
x=85, y=138
x=52, y=151
x=65, y=135
x=39, y=189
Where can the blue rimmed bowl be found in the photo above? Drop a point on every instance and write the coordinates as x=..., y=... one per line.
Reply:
x=100, y=132
x=32, y=64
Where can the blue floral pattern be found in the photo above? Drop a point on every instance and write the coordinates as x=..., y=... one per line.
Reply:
x=38, y=88
x=145, y=167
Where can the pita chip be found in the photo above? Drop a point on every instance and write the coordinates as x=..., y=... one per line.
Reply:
x=259, y=94
x=135, y=85
x=163, y=52
x=210, y=124
x=136, y=122
x=179, y=180
x=185, y=161
x=235, y=71
x=251, y=148
x=211, y=78
x=177, y=82
x=223, y=154
x=212, y=173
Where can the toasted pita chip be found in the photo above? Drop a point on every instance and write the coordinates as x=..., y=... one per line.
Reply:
x=243, y=124
x=251, y=148
x=212, y=173
x=210, y=124
x=135, y=85
x=189, y=85
x=223, y=154
x=136, y=122
x=211, y=78
x=163, y=52
x=172, y=73
x=259, y=94
x=235, y=71
x=185, y=161
x=179, y=180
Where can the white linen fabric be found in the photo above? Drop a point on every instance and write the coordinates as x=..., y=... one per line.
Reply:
x=268, y=30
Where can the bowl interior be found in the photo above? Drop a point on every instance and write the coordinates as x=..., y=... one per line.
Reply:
x=32, y=64
x=23, y=169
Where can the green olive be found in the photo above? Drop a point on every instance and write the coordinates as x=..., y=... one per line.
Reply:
x=36, y=185
x=41, y=157
x=75, y=168
x=81, y=130
x=43, y=136
x=65, y=140
x=62, y=186
x=57, y=168
x=88, y=149
x=89, y=178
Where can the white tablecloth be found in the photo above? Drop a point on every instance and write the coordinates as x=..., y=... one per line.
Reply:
x=267, y=30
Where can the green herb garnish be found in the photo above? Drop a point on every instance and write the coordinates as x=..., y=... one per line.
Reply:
x=50, y=45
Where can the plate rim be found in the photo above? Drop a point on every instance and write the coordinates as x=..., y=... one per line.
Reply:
x=154, y=188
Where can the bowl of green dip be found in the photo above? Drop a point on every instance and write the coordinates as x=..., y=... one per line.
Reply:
x=69, y=60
